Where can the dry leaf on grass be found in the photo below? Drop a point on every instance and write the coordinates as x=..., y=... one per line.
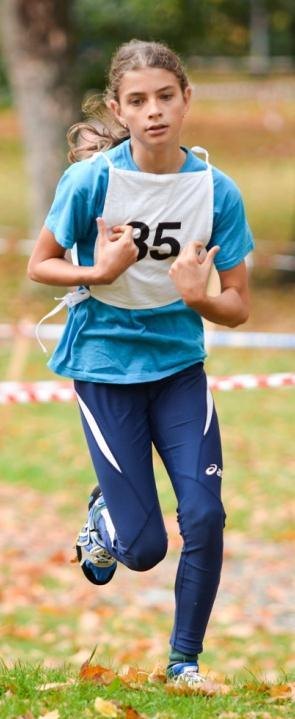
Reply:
x=50, y=715
x=131, y=713
x=275, y=692
x=206, y=688
x=134, y=676
x=97, y=673
x=261, y=687
x=55, y=685
x=158, y=675
x=258, y=715
x=106, y=708
x=282, y=691
x=59, y=557
x=8, y=694
x=115, y=710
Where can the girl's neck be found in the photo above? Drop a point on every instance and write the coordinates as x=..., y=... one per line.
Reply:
x=158, y=160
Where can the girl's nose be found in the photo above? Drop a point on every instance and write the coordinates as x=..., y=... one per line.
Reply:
x=153, y=109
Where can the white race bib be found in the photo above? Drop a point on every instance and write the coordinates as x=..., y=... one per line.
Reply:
x=167, y=211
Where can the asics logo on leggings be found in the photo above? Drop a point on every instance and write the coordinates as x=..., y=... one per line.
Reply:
x=212, y=469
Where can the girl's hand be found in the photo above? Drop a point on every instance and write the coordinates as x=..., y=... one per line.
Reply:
x=190, y=272
x=114, y=254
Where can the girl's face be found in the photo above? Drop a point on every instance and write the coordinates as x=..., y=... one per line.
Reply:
x=152, y=105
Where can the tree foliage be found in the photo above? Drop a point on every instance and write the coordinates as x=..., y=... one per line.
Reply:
x=191, y=27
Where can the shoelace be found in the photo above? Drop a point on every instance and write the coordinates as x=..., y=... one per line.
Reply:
x=98, y=554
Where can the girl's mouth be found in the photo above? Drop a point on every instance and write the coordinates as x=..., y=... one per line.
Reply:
x=156, y=129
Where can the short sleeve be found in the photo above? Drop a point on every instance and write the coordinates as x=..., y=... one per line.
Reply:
x=70, y=214
x=230, y=227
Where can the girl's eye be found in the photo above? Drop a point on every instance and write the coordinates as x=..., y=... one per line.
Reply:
x=136, y=101
x=166, y=97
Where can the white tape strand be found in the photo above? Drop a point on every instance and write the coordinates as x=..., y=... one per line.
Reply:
x=271, y=340
x=24, y=392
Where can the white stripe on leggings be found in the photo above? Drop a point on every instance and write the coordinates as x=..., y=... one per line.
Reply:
x=97, y=434
x=109, y=524
x=210, y=406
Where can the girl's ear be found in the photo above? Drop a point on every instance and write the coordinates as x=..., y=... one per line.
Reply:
x=115, y=108
x=187, y=97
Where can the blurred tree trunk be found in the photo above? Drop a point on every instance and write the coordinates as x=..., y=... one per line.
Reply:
x=259, y=37
x=38, y=46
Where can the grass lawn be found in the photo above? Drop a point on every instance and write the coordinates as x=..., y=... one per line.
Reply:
x=23, y=693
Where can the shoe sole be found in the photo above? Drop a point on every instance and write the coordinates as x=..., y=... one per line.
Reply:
x=96, y=492
x=89, y=574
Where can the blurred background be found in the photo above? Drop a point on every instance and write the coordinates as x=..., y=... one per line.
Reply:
x=240, y=60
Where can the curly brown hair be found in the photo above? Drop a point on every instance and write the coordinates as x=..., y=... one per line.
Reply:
x=101, y=130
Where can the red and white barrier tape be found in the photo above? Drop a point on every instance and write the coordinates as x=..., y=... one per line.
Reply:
x=23, y=392
x=252, y=381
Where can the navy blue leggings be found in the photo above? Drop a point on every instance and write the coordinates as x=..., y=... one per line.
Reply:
x=177, y=415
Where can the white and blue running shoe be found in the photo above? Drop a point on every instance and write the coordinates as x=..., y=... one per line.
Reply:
x=96, y=563
x=184, y=673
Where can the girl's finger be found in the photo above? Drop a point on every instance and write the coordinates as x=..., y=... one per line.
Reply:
x=212, y=253
x=126, y=230
x=102, y=228
x=122, y=228
x=115, y=236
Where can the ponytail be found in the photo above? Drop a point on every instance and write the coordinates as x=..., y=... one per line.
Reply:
x=100, y=131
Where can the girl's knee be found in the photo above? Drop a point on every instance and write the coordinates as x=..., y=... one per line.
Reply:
x=207, y=519
x=214, y=516
x=145, y=555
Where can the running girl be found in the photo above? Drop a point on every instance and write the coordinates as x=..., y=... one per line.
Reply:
x=133, y=342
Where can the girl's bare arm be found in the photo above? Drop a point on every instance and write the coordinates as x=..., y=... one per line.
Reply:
x=49, y=265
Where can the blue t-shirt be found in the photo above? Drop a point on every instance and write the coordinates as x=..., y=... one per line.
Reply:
x=103, y=343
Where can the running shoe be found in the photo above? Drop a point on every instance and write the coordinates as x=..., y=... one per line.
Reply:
x=184, y=673
x=95, y=561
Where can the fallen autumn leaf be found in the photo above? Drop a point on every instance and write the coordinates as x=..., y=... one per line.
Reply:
x=105, y=708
